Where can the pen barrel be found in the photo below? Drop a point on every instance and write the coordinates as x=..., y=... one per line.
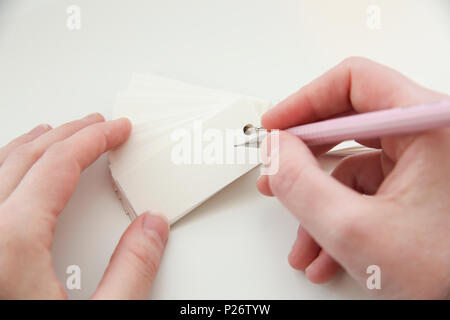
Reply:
x=390, y=122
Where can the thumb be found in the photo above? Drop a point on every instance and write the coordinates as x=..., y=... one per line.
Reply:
x=135, y=261
x=319, y=201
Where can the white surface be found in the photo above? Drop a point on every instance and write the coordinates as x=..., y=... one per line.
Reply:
x=145, y=165
x=235, y=245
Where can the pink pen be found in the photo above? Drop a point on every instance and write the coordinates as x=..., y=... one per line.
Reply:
x=389, y=122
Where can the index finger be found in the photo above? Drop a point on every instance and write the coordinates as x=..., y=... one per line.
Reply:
x=49, y=184
x=356, y=84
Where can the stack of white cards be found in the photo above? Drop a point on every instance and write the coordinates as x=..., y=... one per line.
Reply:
x=181, y=149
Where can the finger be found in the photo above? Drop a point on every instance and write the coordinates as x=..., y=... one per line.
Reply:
x=361, y=172
x=49, y=184
x=320, y=202
x=322, y=269
x=307, y=255
x=27, y=137
x=304, y=251
x=355, y=84
x=22, y=158
x=136, y=260
x=262, y=183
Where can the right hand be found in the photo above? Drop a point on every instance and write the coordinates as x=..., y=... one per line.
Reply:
x=404, y=226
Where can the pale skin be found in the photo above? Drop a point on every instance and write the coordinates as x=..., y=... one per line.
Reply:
x=403, y=228
x=404, y=225
x=39, y=172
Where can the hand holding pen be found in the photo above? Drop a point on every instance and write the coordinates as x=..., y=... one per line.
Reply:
x=403, y=226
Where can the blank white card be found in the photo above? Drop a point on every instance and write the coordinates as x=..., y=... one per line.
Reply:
x=181, y=149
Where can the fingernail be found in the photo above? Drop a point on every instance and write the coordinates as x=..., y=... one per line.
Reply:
x=94, y=115
x=156, y=225
x=40, y=129
x=308, y=268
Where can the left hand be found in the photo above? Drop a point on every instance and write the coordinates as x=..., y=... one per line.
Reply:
x=39, y=172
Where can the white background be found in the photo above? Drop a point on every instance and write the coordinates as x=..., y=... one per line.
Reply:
x=235, y=245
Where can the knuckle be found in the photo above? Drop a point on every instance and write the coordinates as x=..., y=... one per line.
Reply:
x=61, y=158
x=358, y=65
x=350, y=229
x=97, y=133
